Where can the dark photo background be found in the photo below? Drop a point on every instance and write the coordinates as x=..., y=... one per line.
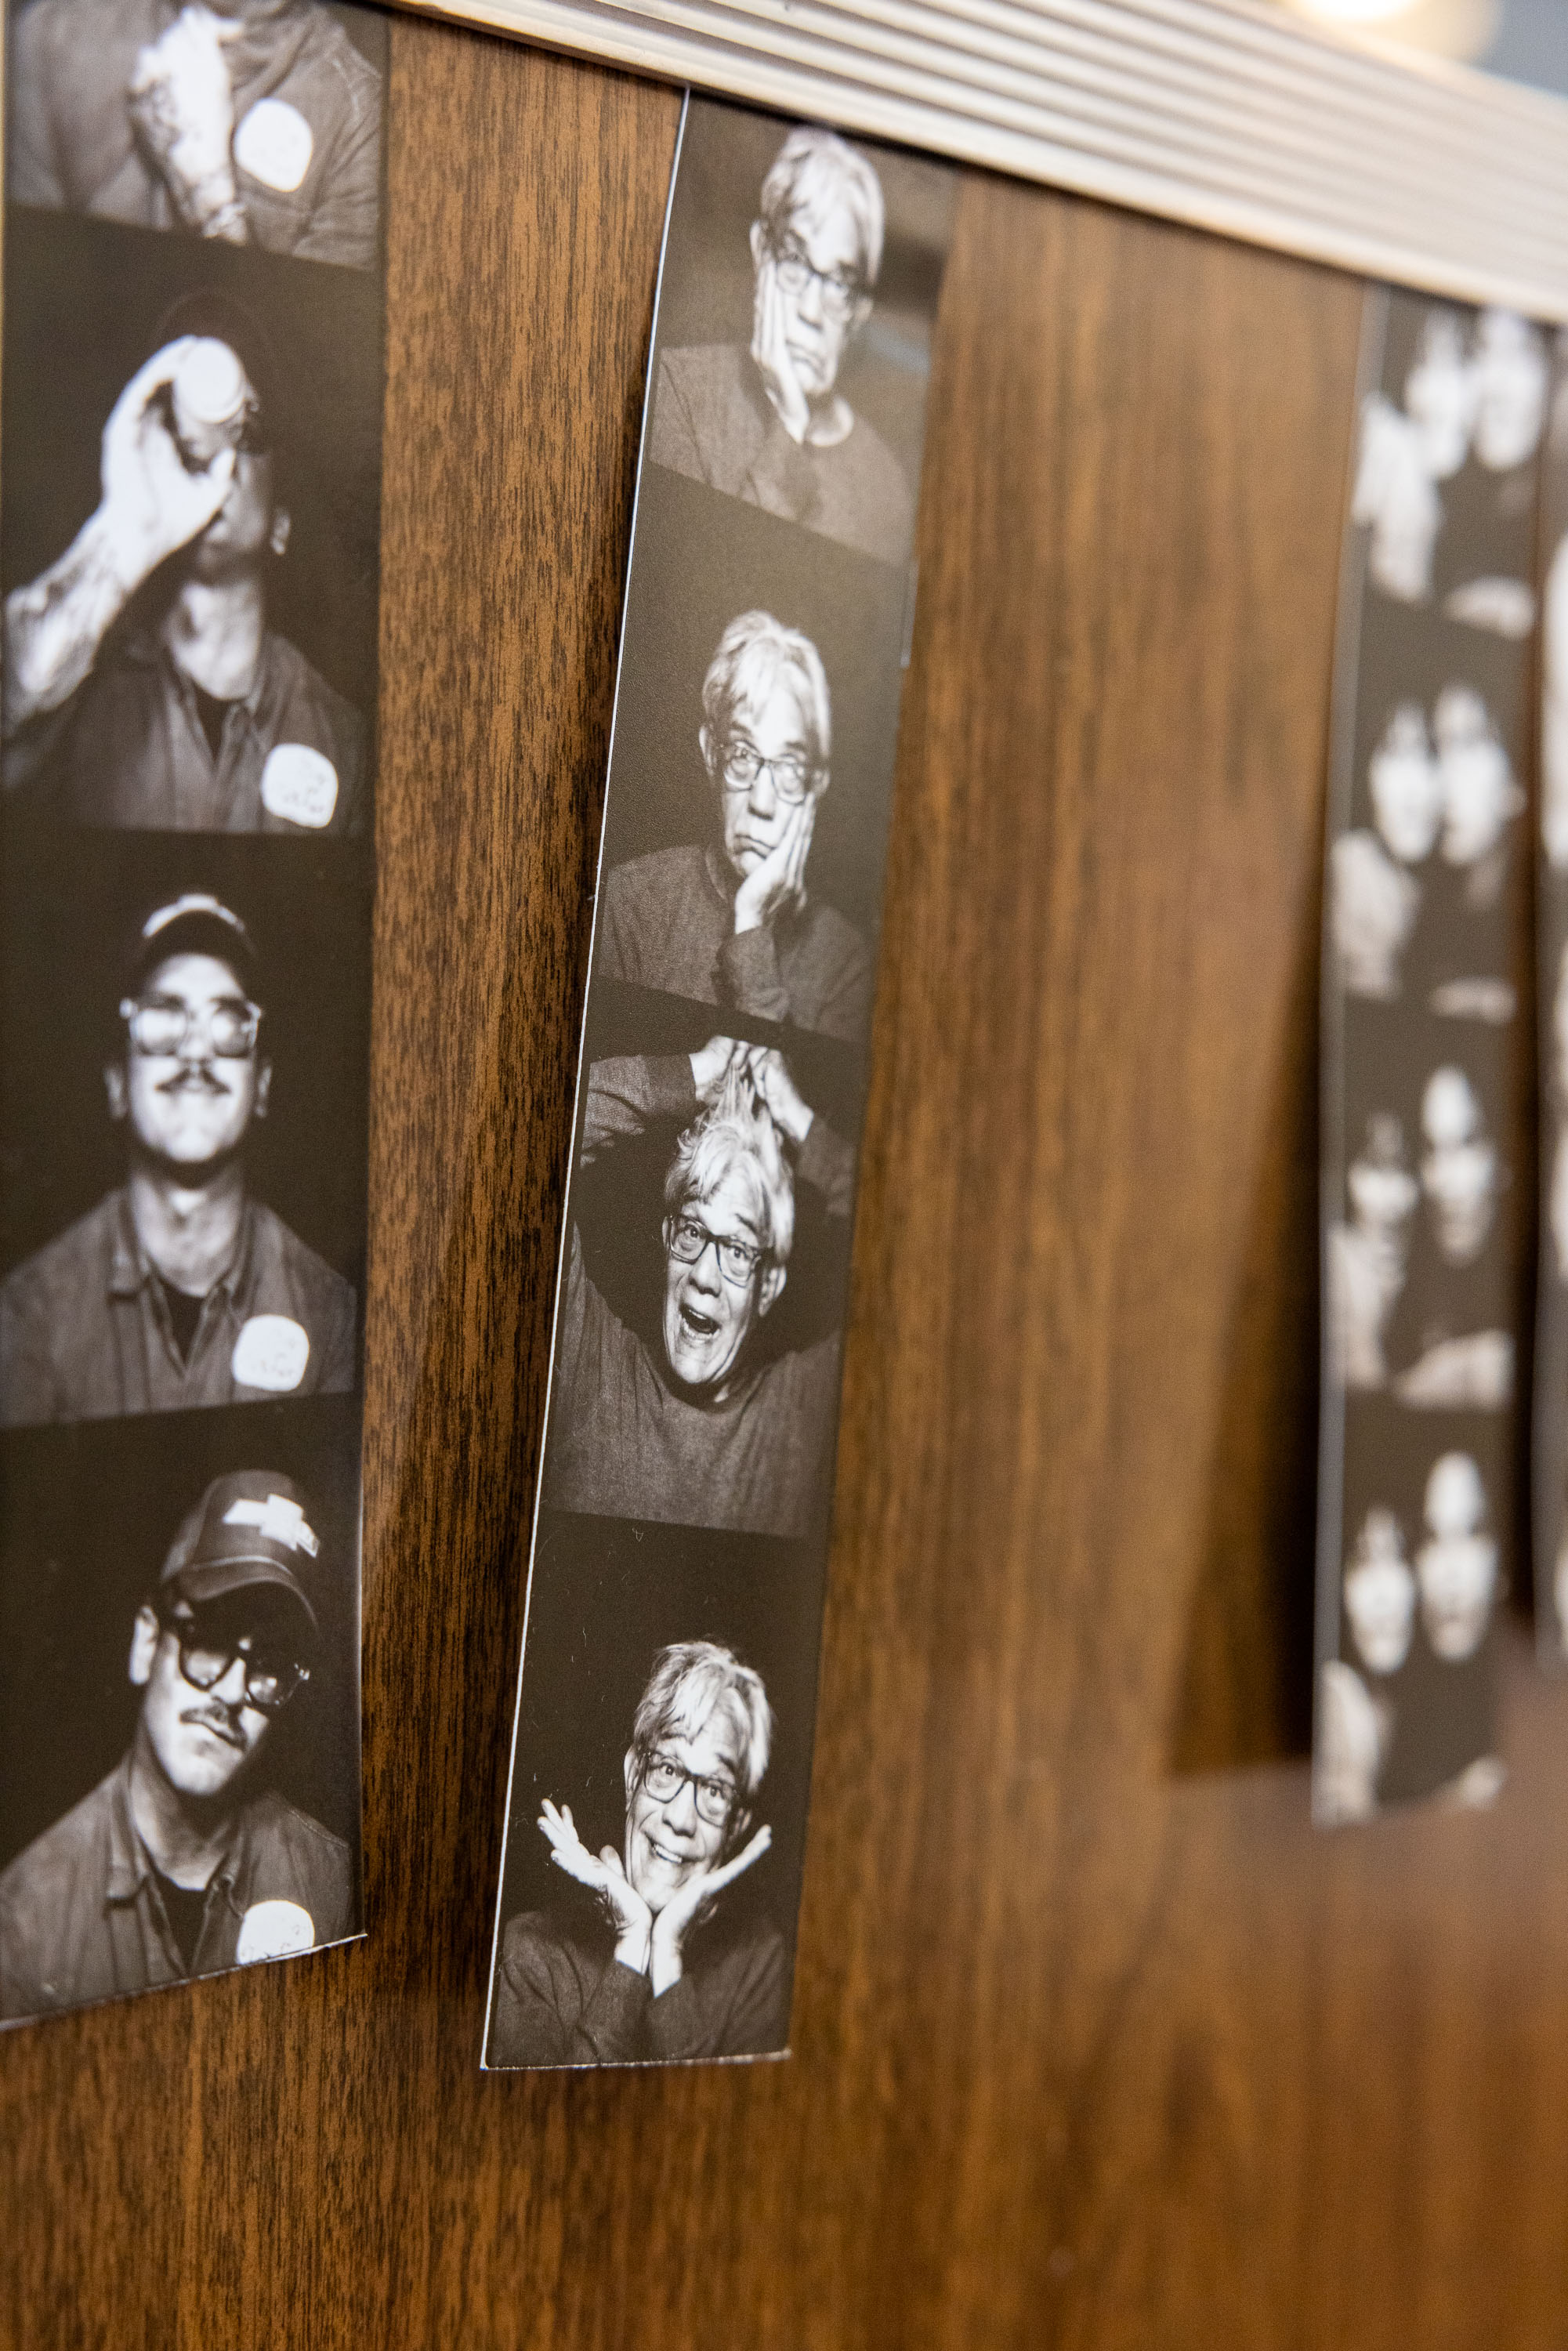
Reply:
x=701, y=560
x=85, y=303
x=66, y=927
x=87, y=1517
x=1444, y=1711
x=607, y=1595
x=705, y=296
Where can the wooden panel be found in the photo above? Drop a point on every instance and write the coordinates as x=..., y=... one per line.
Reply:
x=1096, y=2043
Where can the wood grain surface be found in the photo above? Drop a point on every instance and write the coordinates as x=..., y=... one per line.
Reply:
x=1096, y=2044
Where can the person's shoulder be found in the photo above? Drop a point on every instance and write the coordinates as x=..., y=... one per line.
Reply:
x=58, y=25
x=311, y=1852
x=56, y=1853
x=834, y=932
x=704, y=367
x=660, y=874
x=300, y=1262
x=329, y=41
x=297, y=673
x=79, y=1249
x=541, y=1942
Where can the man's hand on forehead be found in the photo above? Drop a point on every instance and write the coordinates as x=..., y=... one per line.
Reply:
x=181, y=104
x=152, y=503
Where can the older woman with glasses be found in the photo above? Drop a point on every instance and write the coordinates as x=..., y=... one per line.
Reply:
x=730, y=920
x=665, y=1970
x=697, y=1428
x=769, y=423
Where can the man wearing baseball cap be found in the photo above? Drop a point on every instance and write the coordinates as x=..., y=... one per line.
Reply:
x=181, y=1288
x=183, y=1861
x=179, y=709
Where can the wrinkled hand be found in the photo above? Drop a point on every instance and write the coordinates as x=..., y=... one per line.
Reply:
x=684, y=1909
x=779, y=880
x=151, y=503
x=603, y=1874
x=710, y=1067
x=775, y=1088
x=779, y=382
x=181, y=104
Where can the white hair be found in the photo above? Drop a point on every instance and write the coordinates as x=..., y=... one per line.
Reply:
x=819, y=163
x=754, y=654
x=737, y=1136
x=692, y=1681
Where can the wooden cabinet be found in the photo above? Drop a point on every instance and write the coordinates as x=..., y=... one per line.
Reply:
x=1096, y=2044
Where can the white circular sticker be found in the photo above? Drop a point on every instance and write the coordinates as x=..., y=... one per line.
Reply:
x=275, y=1930
x=300, y=785
x=270, y=1352
x=274, y=144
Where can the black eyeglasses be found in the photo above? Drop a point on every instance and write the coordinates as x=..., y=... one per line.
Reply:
x=206, y=1655
x=791, y=775
x=738, y=1259
x=840, y=288
x=165, y=1024
x=664, y=1779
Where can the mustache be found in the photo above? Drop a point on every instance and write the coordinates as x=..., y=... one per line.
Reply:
x=200, y=1077
x=219, y=1719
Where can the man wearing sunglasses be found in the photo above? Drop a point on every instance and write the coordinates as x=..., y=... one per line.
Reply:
x=183, y=1861
x=666, y=1971
x=702, y=1428
x=730, y=921
x=143, y=685
x=181, y=1288
x=769, y=424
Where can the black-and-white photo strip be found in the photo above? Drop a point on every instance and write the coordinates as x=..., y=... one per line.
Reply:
x=656, y=1815
x=1424, y=953
x=190, y=515
x=1549, y=1440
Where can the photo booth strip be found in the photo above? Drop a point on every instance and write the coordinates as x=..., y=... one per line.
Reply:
x=656, y=1815
x=1425, y=978
x=190, y=513
x=1549, y=1448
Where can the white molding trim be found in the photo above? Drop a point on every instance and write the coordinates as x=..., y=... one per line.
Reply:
x=1232, y=115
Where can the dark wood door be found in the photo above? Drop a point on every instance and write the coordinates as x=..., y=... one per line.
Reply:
x=1096, y=2044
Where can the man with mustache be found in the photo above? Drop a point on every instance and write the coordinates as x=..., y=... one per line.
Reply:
x=699, y=1430
x=180, y=1288
x=181, y=1862
x=668, y=1970
x=769, y=424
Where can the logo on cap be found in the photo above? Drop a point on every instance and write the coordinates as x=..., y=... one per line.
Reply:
x=278, y=1520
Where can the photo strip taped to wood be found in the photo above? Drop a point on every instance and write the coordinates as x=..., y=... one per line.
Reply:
x=1549, y=1443
x=190, y=549
x=1425, y=974
x=661, y=1744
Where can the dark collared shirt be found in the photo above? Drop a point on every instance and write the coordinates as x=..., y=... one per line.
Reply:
x=562, y=1998
x=128, y=748
x=81, y=1918
x=71, y=144
x=668, y=922
x=85, y=1331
